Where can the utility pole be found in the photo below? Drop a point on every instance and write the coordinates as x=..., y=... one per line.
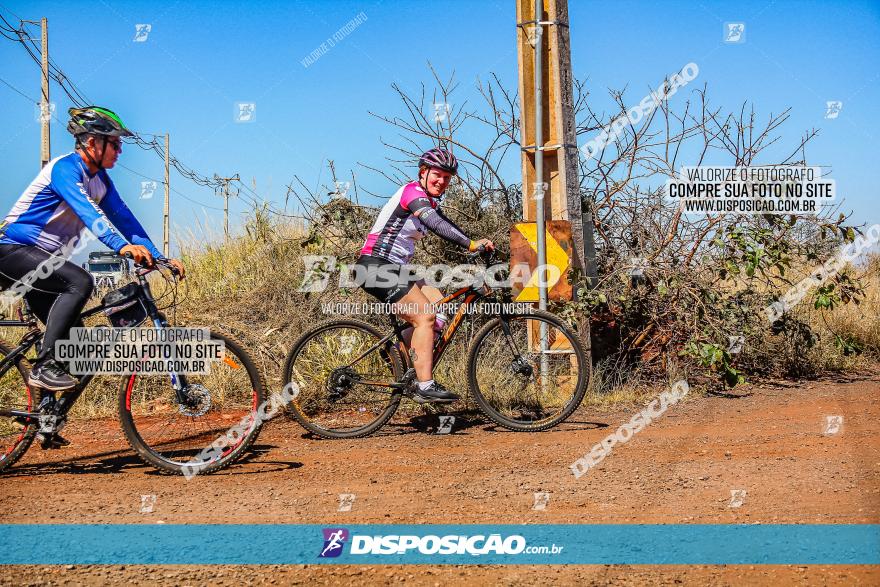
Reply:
x=226, y=181
x=165, y=241
x=550, y=154
x=550, y=171
x=45, y=113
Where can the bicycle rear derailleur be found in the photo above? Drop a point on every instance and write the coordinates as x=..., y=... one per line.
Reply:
x=340, y=382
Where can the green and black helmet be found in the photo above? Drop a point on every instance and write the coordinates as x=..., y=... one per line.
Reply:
x=94, y=120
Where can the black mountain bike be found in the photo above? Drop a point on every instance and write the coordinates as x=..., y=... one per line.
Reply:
x=527, y=371
x=169, y=419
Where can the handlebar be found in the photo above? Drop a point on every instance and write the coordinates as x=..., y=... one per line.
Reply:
x=157, y=263
x=488, y=257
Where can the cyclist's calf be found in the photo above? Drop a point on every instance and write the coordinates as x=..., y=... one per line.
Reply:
x=419, y=320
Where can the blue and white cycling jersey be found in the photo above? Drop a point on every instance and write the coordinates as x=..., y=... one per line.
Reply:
x=63, y=200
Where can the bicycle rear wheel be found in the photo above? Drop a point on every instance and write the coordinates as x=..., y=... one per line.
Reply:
x=522, y=383
x=343, y=389
x=16, y=433
x=212, y=427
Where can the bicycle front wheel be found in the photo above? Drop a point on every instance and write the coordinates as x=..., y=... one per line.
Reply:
x=344, y=383
x=528, y=372
x=16, y=432
x=202, y=428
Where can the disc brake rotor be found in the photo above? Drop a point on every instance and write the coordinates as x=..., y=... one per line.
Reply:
x=198, y=401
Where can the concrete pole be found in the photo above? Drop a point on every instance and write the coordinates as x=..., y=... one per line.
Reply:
x=45, y=113
x=165, y=224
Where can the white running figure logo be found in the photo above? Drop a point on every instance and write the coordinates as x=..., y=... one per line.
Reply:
x=335, y=542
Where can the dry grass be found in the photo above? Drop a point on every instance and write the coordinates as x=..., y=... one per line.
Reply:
x=612, y=387
x=248, y=286
x=855, y=323
x=859, y=322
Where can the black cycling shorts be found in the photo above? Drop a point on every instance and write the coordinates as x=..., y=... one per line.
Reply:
x=386, y=281
x=56, y=294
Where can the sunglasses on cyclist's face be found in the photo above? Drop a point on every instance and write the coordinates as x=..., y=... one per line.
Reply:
x=117, y=145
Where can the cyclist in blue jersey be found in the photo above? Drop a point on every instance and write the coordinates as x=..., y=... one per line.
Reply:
x=412, y=211
x=71, y=193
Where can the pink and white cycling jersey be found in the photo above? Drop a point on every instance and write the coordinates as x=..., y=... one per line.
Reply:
x=394, y=235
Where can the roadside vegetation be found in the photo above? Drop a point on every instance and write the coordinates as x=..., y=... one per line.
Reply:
x=677, y=295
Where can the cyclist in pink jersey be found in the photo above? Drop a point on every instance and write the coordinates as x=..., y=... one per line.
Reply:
x=412, y=211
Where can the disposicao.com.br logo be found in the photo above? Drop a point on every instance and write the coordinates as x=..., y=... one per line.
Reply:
x=454, y=544
x=334, y=540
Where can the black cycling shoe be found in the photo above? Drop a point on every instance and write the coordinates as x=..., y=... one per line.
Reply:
x=52, y=376
x=436, y=393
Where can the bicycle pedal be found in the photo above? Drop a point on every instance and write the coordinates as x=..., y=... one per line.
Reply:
x=52, y=441
x=48, y=423
x=426, y=403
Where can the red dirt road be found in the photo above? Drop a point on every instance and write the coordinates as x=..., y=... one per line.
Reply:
x=769, y=442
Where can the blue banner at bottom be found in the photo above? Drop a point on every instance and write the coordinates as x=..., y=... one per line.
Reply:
x=639, y=544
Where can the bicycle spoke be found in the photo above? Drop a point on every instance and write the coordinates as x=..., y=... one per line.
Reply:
x=344, y=382
x=527, y=372
x=178, y=430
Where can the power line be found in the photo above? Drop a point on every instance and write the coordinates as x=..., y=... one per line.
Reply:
x=10, y=86
x=80, y=100
x=176, y=191
x=254, y=201
x=55, y=71
x=185, y=171
x=10, y=12
x=139, y=174
x=226, y=181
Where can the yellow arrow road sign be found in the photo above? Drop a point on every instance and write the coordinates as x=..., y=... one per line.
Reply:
x=558, y=259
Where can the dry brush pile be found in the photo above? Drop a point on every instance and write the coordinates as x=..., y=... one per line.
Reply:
x=675, y=292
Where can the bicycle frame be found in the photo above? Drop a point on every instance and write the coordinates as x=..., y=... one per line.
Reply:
x=30, y=338
x=471, y=294
x=34, y=335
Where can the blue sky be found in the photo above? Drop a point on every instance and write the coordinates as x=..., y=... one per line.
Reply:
x=201, y=58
